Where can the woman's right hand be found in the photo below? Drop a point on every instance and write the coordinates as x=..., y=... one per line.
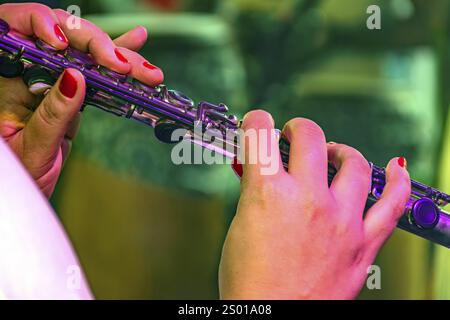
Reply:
x=293, y=235
x=40, y=129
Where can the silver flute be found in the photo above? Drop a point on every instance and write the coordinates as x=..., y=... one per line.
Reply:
x=39, y=64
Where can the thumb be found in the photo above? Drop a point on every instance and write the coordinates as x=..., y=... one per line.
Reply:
x=45, y=131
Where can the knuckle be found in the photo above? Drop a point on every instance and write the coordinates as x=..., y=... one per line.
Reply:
x=103, y=35
x=358, y=161
x=58, y=10
x=315, y=206
x=268, y=188
x=340, y=228
x=363, y=167
x=61, y=12
x=98, y=36
x=47, y=110
x=262, y=192
x=398, y=207
x=61, y=15
x=40, y=8
x=107, y=60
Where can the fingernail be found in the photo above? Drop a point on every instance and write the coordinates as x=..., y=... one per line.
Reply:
x=402, y=162
x=331, y=143
x=237, y=168
x=120, y=56
x=68, y=85
x=148, y=65
x=60, y=34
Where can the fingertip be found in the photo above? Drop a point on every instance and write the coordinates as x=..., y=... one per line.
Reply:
x=47, y=29
x=120, y=56
x=121, y=63
x=397, y=167
x=153, y=74
x=133, y=39
x=55, y=43
x=142, y=33
x=41, y=21
x=304, y=127
x=158, y=77
x=139, y=36
x=72, y=85
x=81, y=82
x=398, y=182
x=75, y=73
x=257, y=118
x=257, y=113
x=62, y=40
x=402, y=162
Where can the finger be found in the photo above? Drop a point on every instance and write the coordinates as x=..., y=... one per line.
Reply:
x=54, y=117
x=351, y=184
x=141, y=69
x=383, y=217
x=308, y=152
x=35, y=19
x=261, y=151
x=90, y=38
x=133, y=40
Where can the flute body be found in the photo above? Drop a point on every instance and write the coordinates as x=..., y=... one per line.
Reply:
x=168, y=110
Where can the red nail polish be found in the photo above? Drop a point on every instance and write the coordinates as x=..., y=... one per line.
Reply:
x=402, y=162
x=60, y=34
x=148, y=65
x=237, y=168
x=120, y=56
x=68, y=85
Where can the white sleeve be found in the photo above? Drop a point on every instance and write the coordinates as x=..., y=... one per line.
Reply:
x=37, y=260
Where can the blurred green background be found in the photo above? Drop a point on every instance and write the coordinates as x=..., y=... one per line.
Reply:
x=145, y=228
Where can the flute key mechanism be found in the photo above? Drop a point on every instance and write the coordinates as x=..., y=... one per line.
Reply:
x=38, y=79
x=168, y=110
x=10, y=66
x=424, y=213
x=164, y=130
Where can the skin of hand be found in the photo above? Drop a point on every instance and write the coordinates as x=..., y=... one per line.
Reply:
x=40, y=129
x=293, y=236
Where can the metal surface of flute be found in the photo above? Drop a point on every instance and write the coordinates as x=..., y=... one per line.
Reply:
x=167, y=110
